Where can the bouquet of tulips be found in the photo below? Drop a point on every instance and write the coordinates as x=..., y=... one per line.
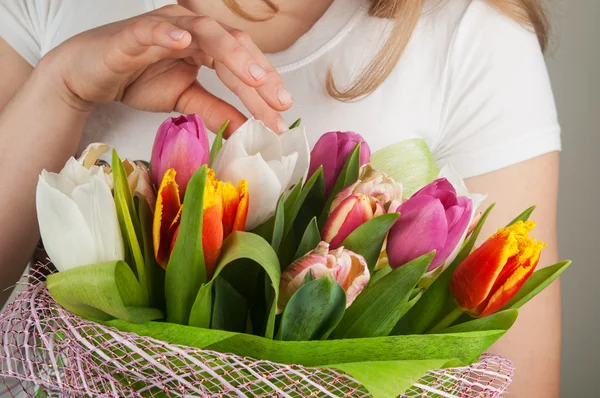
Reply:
x=333, y=258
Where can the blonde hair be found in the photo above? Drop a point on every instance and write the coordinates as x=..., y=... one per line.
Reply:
x=406, y=14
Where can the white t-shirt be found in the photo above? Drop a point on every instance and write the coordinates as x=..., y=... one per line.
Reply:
x=472, y=82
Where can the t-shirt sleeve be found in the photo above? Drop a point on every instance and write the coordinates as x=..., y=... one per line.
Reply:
x=498, y=107
x=23, y=24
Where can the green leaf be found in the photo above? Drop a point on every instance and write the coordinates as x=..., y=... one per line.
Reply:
x=240, y=245
x=321, y=353
x=377, y=275
x=409, y=162
x=278, y=224
x=155, y=275
x=368, y=238
x=537, y=282
x=218, y=142
x=297, y=198
x=230, y=311
x=313, y=311
x=296, y=123
x=437, y=300
x=380, y=306
x=399, y=376
x=102, y=292
x=128, y=219
x=348, y=175
x=523, y=216
x=502, y=320
x=313, y=204
x=186, y=271
x=310, y=239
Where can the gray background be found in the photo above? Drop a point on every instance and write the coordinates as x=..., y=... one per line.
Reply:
x=574, y=63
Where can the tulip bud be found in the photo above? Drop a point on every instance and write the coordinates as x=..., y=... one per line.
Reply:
x=181, y=144
x=352, y=212
x=332, y=150
x=434, y=218
x=347, y=268
x=138, y=177
x=375, y=184
x=490, y=276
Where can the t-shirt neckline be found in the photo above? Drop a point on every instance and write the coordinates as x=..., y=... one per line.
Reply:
x=337, y=21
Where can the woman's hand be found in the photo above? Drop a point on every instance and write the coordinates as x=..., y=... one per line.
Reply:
x=150, y=62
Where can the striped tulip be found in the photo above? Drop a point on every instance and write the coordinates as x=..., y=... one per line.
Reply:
x=351, y=213
x=487, y=279
x=225, y=211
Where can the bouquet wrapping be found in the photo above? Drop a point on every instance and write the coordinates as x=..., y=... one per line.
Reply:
x=257, y=267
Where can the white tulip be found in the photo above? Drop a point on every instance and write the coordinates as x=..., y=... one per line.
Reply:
x=271, y=163
x=77, y=217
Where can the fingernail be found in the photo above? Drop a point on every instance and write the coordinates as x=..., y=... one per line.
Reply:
x=256, y=71
x=281, y=126
x=177, y=34
x=284, y=96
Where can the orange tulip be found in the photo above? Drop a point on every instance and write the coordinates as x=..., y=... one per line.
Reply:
x=225, y=211
x=491, y=275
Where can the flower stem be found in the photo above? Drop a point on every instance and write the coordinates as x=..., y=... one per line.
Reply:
x=447, y=320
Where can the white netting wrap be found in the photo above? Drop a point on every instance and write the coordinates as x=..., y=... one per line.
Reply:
x=48, y=351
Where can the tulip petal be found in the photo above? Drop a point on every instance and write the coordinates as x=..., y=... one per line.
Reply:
x=96, y=203
x=421, y=228
x=64, y=230
x=295, y=141
x=350, y=214
x=263, y=186
x=168, y=205
x=242, y=210
x=231, y=200
x=212, y=228
x=92, y=153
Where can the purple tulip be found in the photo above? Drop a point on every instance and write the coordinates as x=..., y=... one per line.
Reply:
x=332, y=150
x=181, y=144
x=434, y=218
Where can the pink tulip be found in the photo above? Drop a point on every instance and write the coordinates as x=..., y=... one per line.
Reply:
x=434, y=218
x=352, y=212
x=332, y=150
x=347, y=268
x=181, y=144
x=375, y=184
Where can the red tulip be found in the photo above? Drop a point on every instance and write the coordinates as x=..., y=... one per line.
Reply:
x=491, y=275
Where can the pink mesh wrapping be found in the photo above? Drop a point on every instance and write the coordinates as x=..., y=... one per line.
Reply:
x=48, y=351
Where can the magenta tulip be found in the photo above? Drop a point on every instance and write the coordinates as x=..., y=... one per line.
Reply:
x=332, y=150
x=181, y=144
x=351, y=213
x=347, y=268
x=434, y=218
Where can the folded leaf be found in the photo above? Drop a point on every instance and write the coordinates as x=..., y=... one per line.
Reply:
x=129, y=221
x=296, y=123
x=296, y=199
x=437, y=300
x=537, y=282
x=155, y=275
x=380, y=306
x=230, y=310
x=313, y=311
x=465, y=347
x=186, y=271
x=523, y=216
x=409, y=162
x=240, y=245
x=310, y=239
x=102, y=292
x=367, y=239
x=502, y=320
x=348, y=175
x=218, y=142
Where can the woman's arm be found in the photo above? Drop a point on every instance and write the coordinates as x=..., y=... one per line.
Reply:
x=534, y=342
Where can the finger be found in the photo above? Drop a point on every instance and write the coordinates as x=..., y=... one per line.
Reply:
x=282, y=100
x=251, y=99
x=214, y=111
x=145, y=41
x=211, y=38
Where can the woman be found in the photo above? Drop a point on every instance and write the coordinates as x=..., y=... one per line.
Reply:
x=471, y=81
